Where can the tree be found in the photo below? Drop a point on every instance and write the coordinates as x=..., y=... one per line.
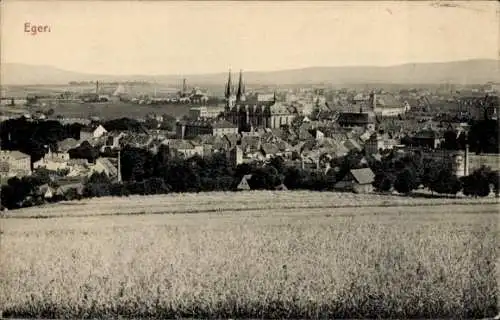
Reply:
x=483, y=136
x=156, y=185
x=265, y=178
x=278, y=163
x=168, y=122
x=84, y=151
x=477, y=184
x=136, y=164
x=152, y=123
x=350, y=161
x=450, y=140
x=384, y=181
x=446, y=182
x=406, y=181
x=124, y=124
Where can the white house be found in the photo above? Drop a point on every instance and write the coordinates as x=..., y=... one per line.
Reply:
x=91, y=133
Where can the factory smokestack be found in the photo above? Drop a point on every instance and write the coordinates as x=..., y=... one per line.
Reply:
x=466, y=159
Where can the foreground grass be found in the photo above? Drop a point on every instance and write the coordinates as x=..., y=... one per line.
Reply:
x=409, y=262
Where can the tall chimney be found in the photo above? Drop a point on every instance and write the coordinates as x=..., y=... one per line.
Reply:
x=119, y=167
x=97, y=87
x=466, y=159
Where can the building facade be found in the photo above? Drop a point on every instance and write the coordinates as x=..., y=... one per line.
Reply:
x=199, y=113
x=14, y=163
x=192, y=129
x=53, y=161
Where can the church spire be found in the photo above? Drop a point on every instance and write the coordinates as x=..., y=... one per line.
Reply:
x=241, y=90
x=228, y=86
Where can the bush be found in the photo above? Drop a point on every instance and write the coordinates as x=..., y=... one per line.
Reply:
x=405, y=181
x=384, y=181
x=478, y=183
x=446, y=182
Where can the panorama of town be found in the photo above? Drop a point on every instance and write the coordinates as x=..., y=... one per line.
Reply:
x=97, y=138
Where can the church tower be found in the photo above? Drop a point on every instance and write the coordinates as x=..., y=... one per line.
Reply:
x=228, y=92
x=240, y=93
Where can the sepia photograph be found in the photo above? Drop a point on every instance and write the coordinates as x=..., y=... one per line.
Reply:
x=249, y=160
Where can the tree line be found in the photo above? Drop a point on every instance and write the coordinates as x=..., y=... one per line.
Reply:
x=413, y=171
x=146, y=173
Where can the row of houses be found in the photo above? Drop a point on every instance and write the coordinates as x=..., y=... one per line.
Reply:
x=18, y=164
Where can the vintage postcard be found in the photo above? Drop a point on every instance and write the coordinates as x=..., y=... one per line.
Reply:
x=263, y=159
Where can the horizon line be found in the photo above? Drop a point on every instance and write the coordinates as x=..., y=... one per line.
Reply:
x=256, y=71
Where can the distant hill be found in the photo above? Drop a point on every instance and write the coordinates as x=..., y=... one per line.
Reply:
x=460, y=72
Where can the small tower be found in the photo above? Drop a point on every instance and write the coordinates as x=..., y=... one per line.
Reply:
x=184, y=87
x=240, y=93
x=373, y=100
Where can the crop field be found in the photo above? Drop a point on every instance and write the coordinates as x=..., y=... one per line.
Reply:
x=113, y=110
x=253, y=254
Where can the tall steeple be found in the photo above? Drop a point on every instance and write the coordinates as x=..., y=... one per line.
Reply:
x=241, y=89
x=228, y=86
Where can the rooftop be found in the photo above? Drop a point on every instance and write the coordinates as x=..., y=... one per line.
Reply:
x=363, y=176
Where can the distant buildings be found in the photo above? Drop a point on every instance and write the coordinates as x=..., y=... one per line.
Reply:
x=53, y=161
x=184, y=148
x=356, y=119
x=198, y=113
x=387, y=105
x=480, y=107
x=193, y=128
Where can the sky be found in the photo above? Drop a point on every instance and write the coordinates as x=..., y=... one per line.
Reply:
x=168, y=37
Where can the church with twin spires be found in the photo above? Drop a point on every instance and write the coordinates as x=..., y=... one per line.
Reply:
x=249, y=114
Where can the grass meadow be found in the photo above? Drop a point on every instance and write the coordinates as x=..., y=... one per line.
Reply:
x=428, y=259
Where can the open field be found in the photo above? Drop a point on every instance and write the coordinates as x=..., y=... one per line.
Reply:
x=233, y=201
x=113, y=110
x=347, y=262
x=106, y=110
